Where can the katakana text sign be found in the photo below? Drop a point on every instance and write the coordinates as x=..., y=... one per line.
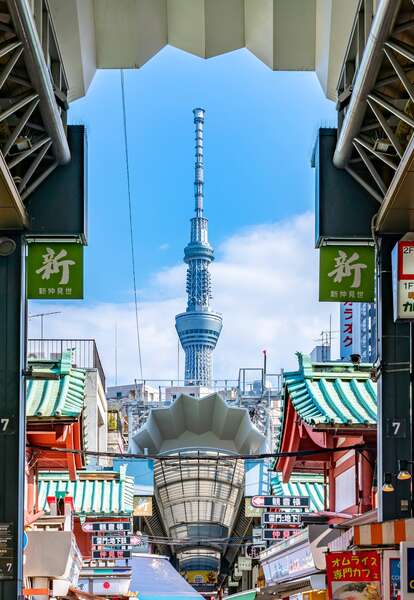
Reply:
x=357, y=572
x=347, y=273
x=55, y=271
x=403, y=280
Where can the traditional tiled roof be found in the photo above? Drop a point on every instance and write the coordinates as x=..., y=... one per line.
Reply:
x=61, y=397
x=94, y=493
x=301, y=484
x=335, y=393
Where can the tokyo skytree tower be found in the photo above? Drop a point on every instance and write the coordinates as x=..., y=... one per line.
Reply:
x=199, y=327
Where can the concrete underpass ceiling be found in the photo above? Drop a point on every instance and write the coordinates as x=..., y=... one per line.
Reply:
x=199, y=423
x=287, y=35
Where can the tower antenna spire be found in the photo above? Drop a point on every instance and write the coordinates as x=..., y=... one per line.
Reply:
x=199, y=163
x=199, y=327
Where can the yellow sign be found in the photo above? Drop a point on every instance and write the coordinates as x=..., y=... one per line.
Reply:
x=251, y=511
x=201, y=577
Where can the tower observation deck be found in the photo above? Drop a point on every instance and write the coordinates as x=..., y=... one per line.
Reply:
x=199, y=327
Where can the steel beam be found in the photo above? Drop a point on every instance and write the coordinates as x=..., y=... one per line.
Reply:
x=382, y=26
x=39, y=74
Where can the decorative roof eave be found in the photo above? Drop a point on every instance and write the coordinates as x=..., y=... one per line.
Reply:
x=332, y=394
x=94, y=495
x=57, y=389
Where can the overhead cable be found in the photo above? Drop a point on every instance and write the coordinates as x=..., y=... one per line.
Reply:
x=191, y=457
x=131, y=225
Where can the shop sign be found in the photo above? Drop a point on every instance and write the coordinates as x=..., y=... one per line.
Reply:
x=358, y=573
x=244, y=563
x=391, y=574
x=281, y=501
x=111, y=554
x=281, y=518
x=403, y=280
x=201, y=577
x=55, y=271
x=257, y=535
x=346, y=273
x=250, y=511
x=254, y=550
x=407, y=569
x=142, y=506
x=279, y=534
x=289, y=565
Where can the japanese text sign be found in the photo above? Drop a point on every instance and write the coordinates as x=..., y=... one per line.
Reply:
x=403, y=280
x=281, y=501
x=280, y=518
x=55, y=271
x=347, y=273
x=113, y=526
x=358, y=573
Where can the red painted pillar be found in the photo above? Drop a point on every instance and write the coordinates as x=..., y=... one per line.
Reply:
x=367, y=476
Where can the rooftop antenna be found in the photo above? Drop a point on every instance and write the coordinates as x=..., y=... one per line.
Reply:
x=116, y=353
x=41, y=317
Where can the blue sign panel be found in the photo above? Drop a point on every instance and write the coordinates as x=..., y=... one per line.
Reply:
x=410, y=569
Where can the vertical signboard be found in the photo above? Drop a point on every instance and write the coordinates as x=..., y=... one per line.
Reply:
x=347, y=273
x=55, y=271
x=407, y=569
x=354, y=573
x=403, y=280
x=7, y=558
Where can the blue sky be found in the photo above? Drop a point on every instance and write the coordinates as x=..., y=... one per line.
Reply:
x=259, y=133
x=260, y=128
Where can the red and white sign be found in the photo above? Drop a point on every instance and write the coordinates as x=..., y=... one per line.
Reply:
x=356, y=572
x=403, y=280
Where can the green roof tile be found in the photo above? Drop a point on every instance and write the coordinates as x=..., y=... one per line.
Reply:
x=62, y=397
x=96, y=495
x=301, y=484
x=335, y=393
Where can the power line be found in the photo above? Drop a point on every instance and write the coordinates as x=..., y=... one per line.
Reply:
x=131, y=227
x=225, y=457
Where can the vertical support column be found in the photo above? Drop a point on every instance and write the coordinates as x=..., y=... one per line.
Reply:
x=394, y=410
x=12, y=414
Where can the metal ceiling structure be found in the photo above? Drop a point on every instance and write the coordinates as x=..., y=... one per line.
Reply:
x=33, y=105
x=376, y=108
x=199, y=498
x=199, y=494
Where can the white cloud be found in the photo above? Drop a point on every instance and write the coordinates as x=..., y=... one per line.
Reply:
x=265, y=285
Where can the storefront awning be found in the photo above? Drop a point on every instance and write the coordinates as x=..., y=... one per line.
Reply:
x=288, y=588
x=248, y=595
x=382, y=534
x=154, y=578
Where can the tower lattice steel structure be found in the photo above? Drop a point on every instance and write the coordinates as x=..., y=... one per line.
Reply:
x=199, y=327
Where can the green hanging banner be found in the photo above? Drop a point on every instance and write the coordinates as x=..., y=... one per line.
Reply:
x=347, y=273
x=54, y=271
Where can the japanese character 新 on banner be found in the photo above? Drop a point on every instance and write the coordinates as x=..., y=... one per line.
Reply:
x=354, y=575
